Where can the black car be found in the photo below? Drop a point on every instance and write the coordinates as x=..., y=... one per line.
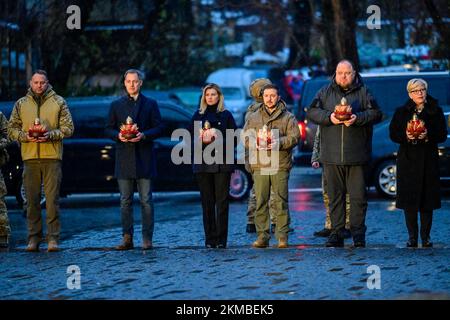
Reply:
x=383, y=168
x=186, y=97
x=88, y=160
x=389, y=89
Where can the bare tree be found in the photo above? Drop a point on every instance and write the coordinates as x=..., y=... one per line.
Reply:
x=339, y=29
x=440, y=26
x=300, y=35
x=345, y=13
x=396, y=12
x=45, y=33
x=326, y=25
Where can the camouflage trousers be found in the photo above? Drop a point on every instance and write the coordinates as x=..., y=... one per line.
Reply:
x=5, y=230
x=251, y=208
x=326, y=201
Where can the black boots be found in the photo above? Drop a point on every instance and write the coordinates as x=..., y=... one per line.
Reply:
x=4, y=241
x=426, y=220
x=359, y=241
x=412, y=243
x=323, y=233
x=335, y=241
x=427, y=243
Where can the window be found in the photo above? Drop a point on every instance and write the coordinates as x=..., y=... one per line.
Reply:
x=230, y=93
x=173, y=119
x=310, y=90
x=89, y=119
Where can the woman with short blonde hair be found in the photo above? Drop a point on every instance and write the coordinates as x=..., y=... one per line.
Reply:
x=418, y=126
x=415, y=84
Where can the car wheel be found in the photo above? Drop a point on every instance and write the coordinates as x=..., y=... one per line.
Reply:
x=386, y=179
x=240, y=185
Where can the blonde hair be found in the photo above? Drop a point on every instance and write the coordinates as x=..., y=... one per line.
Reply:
x=413, y=84
x=220, y=105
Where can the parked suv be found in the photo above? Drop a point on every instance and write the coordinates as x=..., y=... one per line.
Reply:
x=88, y=160
x=389, y=89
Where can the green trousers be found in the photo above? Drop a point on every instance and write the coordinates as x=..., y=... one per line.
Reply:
x=251, y=207
x=47, y=173
x=262, y=184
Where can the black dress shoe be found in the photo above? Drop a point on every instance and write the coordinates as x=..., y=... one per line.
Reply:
x=210, y=246
x=427, y=244
x=251, y=228
x=323, y=233
x=359, y=244
x=411, y=243
x=334, y=241
x=221, y=246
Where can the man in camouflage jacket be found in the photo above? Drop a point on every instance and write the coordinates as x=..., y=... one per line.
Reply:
x=4, y=222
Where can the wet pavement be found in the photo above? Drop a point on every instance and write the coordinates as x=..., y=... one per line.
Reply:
x=179, y=267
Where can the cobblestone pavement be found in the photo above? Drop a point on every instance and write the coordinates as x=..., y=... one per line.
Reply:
x=179, y=267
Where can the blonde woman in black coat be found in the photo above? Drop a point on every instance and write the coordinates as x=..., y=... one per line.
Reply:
x=418, y=160
x=214, y=178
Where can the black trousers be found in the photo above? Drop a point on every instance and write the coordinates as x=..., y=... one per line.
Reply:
x=426, y=220
x=214, y=189
x=342, y=180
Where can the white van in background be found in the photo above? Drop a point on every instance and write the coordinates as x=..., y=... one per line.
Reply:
x=234, y=83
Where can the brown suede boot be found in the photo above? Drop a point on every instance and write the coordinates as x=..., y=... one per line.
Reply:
x=127, y=243
x=282, y=243
x=260, y=243
x=52, y=246
x=33, y=245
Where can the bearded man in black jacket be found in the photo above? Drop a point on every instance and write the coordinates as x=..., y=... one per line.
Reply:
x=346, y=146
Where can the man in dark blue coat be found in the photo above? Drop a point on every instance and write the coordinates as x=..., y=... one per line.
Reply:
x=135, y=161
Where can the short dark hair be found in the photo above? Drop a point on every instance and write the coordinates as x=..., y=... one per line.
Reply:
x=139, y=73
x=271, y=86
x=41, y=72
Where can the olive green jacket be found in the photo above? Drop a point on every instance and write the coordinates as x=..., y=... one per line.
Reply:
x=289, y=135
x=53, y=113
